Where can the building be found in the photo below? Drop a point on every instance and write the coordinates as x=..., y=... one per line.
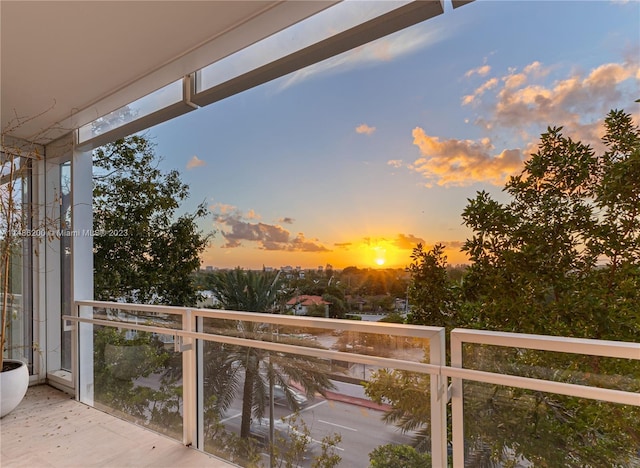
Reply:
x=302, y=304
x=71, y=71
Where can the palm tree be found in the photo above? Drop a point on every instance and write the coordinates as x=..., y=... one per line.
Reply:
x=244, y=290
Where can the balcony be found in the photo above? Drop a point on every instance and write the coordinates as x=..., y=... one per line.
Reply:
x=50, y=429
x=187, y=350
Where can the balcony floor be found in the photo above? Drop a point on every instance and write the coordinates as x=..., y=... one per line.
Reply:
x=49, y=429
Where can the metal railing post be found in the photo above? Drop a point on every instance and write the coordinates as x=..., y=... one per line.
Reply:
x=437, y=355
x=189, y=406
x=200, y=386
x=457, y=403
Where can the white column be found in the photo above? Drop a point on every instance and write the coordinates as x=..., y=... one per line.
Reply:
x=82, y=270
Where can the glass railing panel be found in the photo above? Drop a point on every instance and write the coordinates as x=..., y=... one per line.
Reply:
x=138, y=377
x=160, y=319
x=378, y=343
x=579, y=369
x=319, y=413
x=506, y=426
x=324, y=408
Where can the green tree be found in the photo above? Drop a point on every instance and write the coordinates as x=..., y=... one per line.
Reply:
x=242, y=290
x=560, y=258
x=398, y=456
x=430, y=294
x=143, y=251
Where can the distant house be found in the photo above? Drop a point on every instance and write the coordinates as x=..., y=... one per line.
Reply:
x=300, y=305
x=208, y=300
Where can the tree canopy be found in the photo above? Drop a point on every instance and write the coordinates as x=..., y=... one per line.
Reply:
x=561, y=257
x=143, y=251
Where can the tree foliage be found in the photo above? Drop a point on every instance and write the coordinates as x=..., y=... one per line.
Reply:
x=430, y=293
x=143, y=251
x=561, y=257
x=398, y=456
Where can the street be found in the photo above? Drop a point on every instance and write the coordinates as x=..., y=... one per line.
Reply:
x=361, y=428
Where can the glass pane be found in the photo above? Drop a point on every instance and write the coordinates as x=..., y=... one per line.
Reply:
x=507, y=426
x=320, y=26
x=16, y=230
x=65, y=262
x=144, y=106
x=138, y=377
x=321, y=407
x=594, y=371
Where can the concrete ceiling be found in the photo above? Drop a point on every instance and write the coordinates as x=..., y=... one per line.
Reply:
x=65, y=63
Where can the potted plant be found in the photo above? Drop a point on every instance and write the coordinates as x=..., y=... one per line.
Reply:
x=14, y=222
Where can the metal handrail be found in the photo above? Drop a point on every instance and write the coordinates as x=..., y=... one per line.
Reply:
x=399, y=329
x=410, y=366
x=438, y=369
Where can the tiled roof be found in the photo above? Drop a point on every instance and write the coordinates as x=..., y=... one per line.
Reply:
x=307, y=300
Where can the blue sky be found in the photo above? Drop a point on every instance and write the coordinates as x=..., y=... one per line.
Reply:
x=355, y=160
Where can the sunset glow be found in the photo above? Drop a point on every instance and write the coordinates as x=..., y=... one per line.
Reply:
x=356, y=160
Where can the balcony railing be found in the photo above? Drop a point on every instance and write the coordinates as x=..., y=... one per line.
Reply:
x=184, y=372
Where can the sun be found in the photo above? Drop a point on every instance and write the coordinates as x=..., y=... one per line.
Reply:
x=380, y=261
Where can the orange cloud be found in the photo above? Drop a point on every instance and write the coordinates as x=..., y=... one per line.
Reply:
x=524, y=101
x=487, y=85
x=462, y=162
x=481, y=71
x=251, y=214
x=222, y=208
x=365, y=129
x=195, y=162
x=408, y=241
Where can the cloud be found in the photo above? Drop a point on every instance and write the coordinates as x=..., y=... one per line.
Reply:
x=237, y=229
x=365, y=129
x=300, y=244
x=223, y=208
x=343, y=245
x=481, y=71
x=195, y=162
x=251, y=214
x=527, y=101
x=286, y=220
x=382, y=50
x=268, y=236
x=451, y=244
x=397, y=163
x=487, y=85
x=520, y=104
x=407, y=241
x=462, y=162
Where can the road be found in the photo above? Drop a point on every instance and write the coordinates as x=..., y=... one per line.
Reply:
x=362, y=429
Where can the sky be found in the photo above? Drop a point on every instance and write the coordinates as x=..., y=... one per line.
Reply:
x=356, y=160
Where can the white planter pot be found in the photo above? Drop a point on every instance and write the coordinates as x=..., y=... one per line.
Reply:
x=13, y=386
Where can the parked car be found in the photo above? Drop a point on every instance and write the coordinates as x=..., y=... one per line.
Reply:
x=280, y=398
